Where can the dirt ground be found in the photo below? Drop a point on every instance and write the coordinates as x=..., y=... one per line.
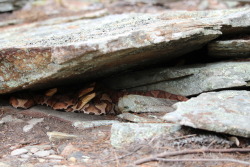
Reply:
x=94, y=148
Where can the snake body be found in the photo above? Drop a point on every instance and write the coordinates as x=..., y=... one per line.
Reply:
x=90, y=100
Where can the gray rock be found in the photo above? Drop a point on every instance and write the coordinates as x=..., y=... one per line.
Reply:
x=9, y=118
x=125, y=134
x=3, y=164
x=25, y=156
x=10, y=5
x=35, y=56
x=230, y=48
x=136, y=103
x=32, y=123
x=41, y=154
x=55, y=157
x=6, y=7
x=34, y=150
x=78, y=156
x=92, y=124
x=18, y=152
x=199, y=78
x=224, y=112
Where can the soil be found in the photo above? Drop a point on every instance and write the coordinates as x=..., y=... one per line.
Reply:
x=94, y=143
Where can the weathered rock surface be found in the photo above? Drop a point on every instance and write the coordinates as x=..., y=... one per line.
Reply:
x=225, y=112
x=124, y=134
x=10, y=5
x=136, y=103
x=36, y=56
x=19, y=151
x=230, y=48
x=189, y=80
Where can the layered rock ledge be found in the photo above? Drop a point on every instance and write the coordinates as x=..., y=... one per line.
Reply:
x=37, y=55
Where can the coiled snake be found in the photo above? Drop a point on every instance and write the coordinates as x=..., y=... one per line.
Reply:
x=90, y=100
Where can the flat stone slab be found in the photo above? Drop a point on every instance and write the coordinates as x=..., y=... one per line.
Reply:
x=137, y=103
x=36, y=56
x=125, y=134
x=230, y=48
x=194, y=79
x=224, y=112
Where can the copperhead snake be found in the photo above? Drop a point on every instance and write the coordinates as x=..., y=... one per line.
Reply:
x=90, y=100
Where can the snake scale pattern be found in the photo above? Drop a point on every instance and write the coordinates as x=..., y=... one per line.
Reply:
x=92, y=99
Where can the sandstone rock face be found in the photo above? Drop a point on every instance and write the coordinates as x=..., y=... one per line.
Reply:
x=225, y=112
x=35, y=55
x=188, y=80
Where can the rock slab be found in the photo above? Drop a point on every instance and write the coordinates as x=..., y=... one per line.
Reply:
x=224, y=112
x=125, y=134
x=37, y=55
x=189, y=80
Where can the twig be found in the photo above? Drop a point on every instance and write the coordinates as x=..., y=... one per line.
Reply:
x=184, y=137
x=195, y=151
x=123, y=156
x=203, y=160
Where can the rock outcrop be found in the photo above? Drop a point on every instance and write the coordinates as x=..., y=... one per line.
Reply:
x=35, y=55
x=188, y=80
x=224, y=112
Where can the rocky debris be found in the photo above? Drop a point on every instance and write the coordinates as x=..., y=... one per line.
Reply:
x=136, y=103
x=36, y=151
x=124, y=134
x=10, y=5
x=68, y=149
x=51, y=56
x=31, y=124
x=78, y=157
x=2, y=164
x=42, y=153
x=18, y=152
x=56, y=136
x=190, y=80
x=224, y=112
x=92, y=124
x=233, y=48
x=9, y=118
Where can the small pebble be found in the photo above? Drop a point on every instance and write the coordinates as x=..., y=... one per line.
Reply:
x=52, y=151
x=72, y=159
x=55, y=157
x=42, y=153
x=18, y=151
x=25, y=156
x=55, y=160
x=41, y=160
x=4, y=164
x=34, y=150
